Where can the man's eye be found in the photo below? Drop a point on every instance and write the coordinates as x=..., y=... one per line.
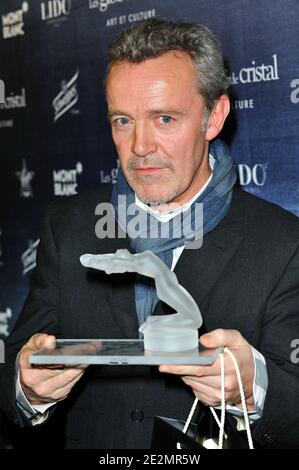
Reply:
x=165, y=119
x=122, y=121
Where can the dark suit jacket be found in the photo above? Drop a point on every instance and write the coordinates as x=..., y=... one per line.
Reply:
x=245, y=277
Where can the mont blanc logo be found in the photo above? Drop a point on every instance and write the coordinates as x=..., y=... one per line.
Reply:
x=103, y=5
x=256, y=174
x=65, y=181
x=13, y=22
x=55, y=11
x=29, y=256
x=66, y=98
x=14, y=101
x=25, y=178
x=4, y=317
x=256, y=73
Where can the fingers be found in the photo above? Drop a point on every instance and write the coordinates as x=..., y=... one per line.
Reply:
x=214, y=382
x=211, y=381
x=206, y=380
x=36, y=342
x=204, y=393
x=198, y=371
x=49, y=385
x=210, y=393
x=41, y=394
x=57, y=388
x=61, y=393
x=202, y=371
x=43, y=384
x=215, y=339
x=41, y=340
x=222, y=337
x=62, y=379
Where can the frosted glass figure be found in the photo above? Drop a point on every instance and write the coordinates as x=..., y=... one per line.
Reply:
x=166, y=333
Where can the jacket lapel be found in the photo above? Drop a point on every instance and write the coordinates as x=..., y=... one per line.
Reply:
x=197, y=270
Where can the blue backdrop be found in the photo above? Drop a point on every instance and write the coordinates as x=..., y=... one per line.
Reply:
x=54, y=135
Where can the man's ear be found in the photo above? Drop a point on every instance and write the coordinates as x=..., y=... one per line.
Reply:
x=217, y=117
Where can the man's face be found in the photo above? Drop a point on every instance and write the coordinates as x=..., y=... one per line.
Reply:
x=156, y=115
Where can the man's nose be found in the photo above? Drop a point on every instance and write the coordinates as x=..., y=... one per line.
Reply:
x=143, y=142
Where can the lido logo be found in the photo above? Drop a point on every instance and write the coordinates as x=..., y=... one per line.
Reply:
x=55, y=8
x=256, y=174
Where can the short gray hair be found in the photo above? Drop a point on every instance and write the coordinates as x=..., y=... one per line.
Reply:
x=154, y=37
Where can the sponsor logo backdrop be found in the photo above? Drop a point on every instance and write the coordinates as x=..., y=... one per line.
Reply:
x=54, y=134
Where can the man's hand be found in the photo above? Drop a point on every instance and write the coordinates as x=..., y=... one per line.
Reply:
x=46, y=384
x=205, y=381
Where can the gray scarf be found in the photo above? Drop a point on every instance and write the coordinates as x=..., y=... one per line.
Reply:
x=216, y=199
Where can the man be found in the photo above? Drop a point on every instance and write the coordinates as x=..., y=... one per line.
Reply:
x=167, y=102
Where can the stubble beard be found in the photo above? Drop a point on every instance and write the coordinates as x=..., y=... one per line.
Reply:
x=138, y=182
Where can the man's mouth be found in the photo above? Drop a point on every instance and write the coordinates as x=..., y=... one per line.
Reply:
x=149, y=169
